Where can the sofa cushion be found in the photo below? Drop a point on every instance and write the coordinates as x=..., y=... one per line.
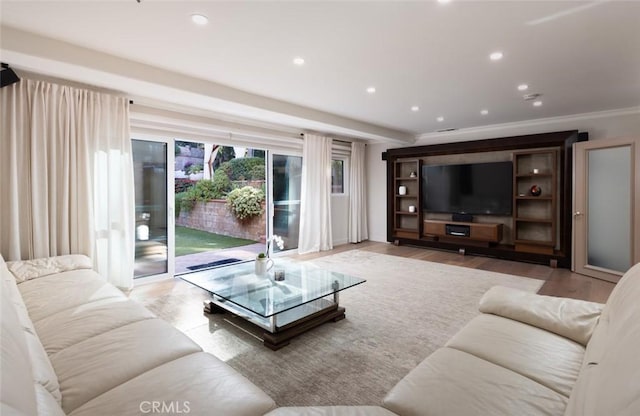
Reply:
x=32, y=269
x=41, y=366
x=73, y=325
x=609, y=382
x=331, y=411
x=199, y=381
x=542, y=356
x=570, y=318
x=452, y=382
x=51, y=294
x=91, y=367
x=47, y=404
x=17, y=395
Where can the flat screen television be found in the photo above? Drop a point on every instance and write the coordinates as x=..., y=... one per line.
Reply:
x=477, y=188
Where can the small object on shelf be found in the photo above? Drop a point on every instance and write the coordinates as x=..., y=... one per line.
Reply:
x=535, y=190
x=402, y=190
x=413, y=175
x=412, y=208
x=536, y=171
x=522, y=194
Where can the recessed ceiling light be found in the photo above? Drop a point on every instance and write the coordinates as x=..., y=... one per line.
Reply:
x=443, y=1
x=371, y=90
x=496, y=56
x=415, y=108
x=199, y=19
x=440, y=119
x=523, y=87
x=484, y=112
x=537, y=103
x=298, y=61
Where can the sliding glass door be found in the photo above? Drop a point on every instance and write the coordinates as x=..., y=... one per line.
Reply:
x=287, y=181
x=150, y=161
x=183, y=218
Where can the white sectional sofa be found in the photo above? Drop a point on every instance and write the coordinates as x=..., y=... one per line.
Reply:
x=526, y=355
x=73, y=344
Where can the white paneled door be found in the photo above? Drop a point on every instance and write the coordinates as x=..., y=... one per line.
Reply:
x=606, y=218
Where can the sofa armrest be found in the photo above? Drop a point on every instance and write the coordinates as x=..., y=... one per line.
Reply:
x=570, y=318
x=32, y=269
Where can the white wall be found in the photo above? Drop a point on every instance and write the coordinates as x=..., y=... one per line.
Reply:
x=600, y=126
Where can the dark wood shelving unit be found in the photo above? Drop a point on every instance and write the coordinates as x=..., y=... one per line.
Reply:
x=539, y=227
x=407, y=224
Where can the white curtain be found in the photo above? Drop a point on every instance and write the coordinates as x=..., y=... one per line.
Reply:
x=67, y=176
x=315, y=200
x=358, y=194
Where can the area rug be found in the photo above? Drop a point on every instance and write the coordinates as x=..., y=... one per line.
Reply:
x=406, y=310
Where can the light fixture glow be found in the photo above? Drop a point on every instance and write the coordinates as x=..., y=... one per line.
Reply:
x=199, y=19
x=443, y=1
x=496, y=56
x=371, y=90
x=440, y=119
x=298, y=61
x=523, y=87
x=484, y=112
x=415, y=108
x=537, y=103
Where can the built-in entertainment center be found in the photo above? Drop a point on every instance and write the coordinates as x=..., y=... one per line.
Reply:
x=507, y=197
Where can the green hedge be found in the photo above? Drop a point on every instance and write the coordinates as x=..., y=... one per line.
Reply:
x=245, y=168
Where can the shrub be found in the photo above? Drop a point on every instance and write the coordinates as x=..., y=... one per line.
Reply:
x=257, y=173
x=245, y=202
x=187, y=202
x=179, y=196
x=183, y=184
x=246, y=168
x=221, y=183
x=206, y=190
x=194, y=168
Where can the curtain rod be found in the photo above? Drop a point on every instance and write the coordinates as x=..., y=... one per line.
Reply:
x=334, y=139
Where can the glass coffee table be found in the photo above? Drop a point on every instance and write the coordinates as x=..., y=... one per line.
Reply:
x=307, y=297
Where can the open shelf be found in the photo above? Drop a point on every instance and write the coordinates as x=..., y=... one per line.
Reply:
x=407, y=224
x=540, y=220
x=535, y=217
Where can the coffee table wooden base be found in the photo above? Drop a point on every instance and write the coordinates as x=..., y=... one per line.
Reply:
x=283, y=335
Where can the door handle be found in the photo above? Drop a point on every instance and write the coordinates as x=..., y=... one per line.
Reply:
x=577, y=214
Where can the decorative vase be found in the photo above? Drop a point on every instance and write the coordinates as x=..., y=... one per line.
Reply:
x=263, y=265
x=402, y=190
x=535, y=190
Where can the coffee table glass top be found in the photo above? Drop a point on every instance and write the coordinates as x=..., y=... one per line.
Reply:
x=260, y=294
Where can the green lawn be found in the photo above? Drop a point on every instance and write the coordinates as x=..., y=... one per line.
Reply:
x=189, y=241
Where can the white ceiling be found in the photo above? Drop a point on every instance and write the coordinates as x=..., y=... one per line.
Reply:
x=582, y=56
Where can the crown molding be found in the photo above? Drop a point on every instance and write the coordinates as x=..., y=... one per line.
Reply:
x=496, y=129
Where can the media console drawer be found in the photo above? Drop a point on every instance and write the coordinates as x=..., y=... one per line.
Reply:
x=491, y=233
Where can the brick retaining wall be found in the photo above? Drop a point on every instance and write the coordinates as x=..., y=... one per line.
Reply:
x=215, y=217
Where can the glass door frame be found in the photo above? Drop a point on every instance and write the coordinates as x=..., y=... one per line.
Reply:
x=581, y=210
x=270, y=196
x=171, y=237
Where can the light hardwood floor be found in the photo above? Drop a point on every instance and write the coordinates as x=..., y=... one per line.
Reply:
x=558, y=282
